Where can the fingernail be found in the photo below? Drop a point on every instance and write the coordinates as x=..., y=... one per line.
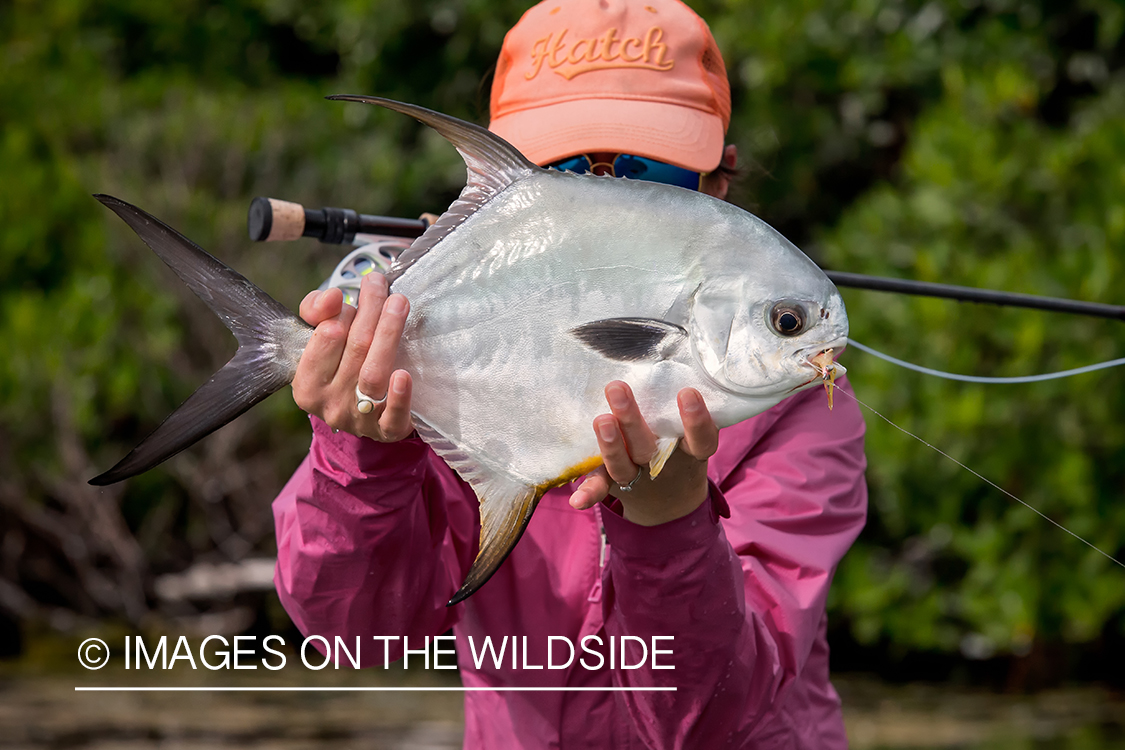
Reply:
x=692, y=402
x=581, y=499
x=396, y=304
x=617, y=397
x=398, y=383
x=608, y=431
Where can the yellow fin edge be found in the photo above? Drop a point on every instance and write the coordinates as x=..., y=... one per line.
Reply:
x=570, y=474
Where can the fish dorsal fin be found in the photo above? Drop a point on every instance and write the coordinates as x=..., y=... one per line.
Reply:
x=491, y=160
x=493, y=164
x=631, y=339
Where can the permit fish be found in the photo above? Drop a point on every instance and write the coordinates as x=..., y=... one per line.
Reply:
x=530, y=293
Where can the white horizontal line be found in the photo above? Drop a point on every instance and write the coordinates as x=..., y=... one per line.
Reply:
x=370, y=689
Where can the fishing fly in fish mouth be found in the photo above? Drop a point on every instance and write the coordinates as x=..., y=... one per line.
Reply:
x=828, y=370
x=701, y=317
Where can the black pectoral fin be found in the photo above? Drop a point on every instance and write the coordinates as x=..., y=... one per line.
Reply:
x=631, y=339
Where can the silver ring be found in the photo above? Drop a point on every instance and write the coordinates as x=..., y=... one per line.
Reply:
x=364, y=404
x=629, y=487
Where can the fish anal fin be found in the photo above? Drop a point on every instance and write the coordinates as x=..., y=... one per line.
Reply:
x=506, y=501
x=631, y=339
x=665, y=447
x=505, y=510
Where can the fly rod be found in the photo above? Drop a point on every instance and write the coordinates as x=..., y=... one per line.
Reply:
x=271, y=219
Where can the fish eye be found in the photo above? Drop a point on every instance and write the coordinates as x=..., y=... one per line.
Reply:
x=788, y=318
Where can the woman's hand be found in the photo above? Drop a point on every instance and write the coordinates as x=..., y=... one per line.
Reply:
x=355, y=347
x=627, y=445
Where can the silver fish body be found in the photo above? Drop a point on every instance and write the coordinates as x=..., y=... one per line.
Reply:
x=499, y=370
x=534, y=290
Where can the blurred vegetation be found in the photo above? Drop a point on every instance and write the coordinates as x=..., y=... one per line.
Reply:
x=977, y=142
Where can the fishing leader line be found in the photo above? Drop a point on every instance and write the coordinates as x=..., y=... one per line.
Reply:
x=984, y=479
x=982, y=379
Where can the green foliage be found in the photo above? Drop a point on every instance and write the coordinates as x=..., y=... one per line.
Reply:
x=991, y=197
x=960, y=141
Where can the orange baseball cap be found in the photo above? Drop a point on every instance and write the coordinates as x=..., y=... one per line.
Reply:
x=643, y=77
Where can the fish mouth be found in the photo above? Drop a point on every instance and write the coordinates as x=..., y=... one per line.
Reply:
x=827, y=370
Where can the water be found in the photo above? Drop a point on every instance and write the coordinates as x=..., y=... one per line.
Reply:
x=39, y=708
x=928, y=717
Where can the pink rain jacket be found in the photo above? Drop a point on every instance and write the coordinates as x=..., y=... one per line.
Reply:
x=374, y=539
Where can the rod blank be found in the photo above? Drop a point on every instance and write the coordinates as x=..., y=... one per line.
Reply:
x=972, y=294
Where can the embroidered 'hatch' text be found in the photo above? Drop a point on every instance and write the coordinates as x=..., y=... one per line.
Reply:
x=572, y=58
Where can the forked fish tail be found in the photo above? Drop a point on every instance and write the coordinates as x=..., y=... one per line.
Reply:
x=270, y=342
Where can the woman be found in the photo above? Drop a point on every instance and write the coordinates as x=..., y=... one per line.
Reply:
x=720, y=566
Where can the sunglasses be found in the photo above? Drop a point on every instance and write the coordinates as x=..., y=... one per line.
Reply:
x=635, y=168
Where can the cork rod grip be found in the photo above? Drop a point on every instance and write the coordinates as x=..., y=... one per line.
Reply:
x=271, y=219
